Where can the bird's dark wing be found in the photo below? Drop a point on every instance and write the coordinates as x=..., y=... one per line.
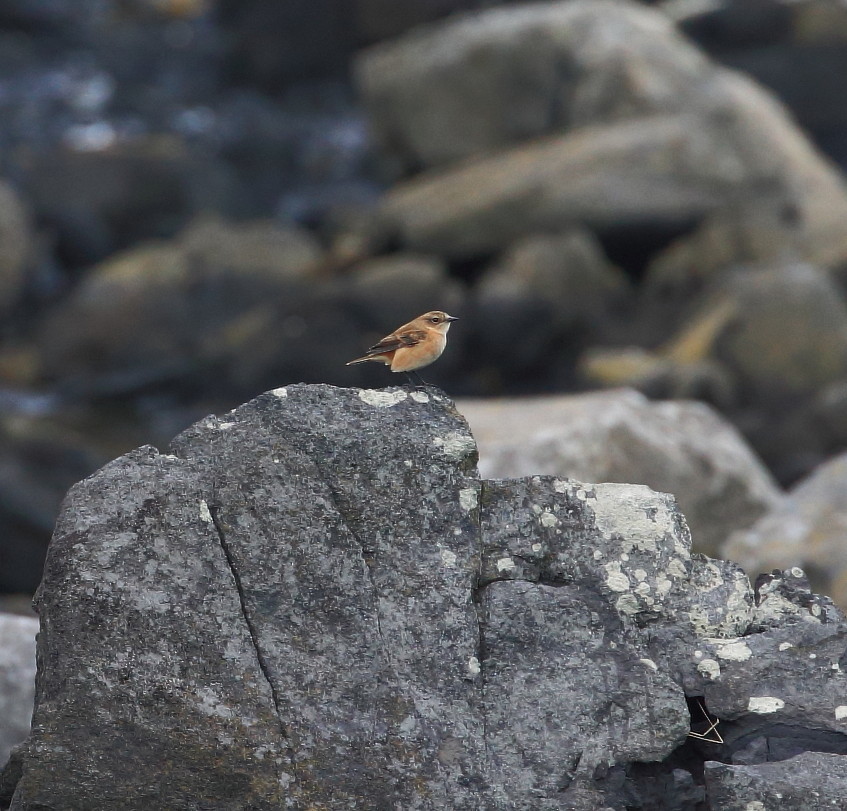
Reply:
x=397, y=340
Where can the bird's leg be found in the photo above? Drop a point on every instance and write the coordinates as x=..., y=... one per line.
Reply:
x=416, y=383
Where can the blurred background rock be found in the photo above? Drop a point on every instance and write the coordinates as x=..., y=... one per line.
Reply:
x=203, y=199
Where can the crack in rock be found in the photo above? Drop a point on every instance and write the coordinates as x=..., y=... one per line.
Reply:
x=214, y=511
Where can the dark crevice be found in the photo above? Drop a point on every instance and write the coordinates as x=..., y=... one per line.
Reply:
x=214, y=511
x=479, y=611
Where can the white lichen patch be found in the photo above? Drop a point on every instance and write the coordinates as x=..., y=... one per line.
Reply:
x=536, y=547
x=643, y=589
x=796, y=571
x=676, y=568
x=755, y=805
x=223, y=426
x=598, y=554
x=785, y=645
x=281, y=392
x=561, y=485
x=640, y=574
x=731, y=650
x=419, y=396
x=649, y=663
x=627, y=604
x=205, y=513
x=448, y=558
x=505, y=565
x=709, y=668
x=764, y=704
x=547, y=519
x=469, y=498
x=456, y=445
x=663, y=585
x=616, y=580
x=641, y=518
x=381, y=399
x=841, y=712
x=473, y=666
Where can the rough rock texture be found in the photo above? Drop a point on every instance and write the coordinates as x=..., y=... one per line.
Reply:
x=806, y=529
x=17, y=679
x=677, y=447
x=314, y=602
x=813, y=781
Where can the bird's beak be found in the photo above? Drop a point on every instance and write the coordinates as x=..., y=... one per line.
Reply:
x=451, y=318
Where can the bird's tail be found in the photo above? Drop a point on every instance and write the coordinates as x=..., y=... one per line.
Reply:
x=360, y=360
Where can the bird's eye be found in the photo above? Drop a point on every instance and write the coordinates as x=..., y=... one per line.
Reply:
x=435, y=319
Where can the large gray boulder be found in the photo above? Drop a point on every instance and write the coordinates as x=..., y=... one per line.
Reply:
x=17, y=679
x=481, y=82
x=314, y=602
x=542, y=116
x=684, y=448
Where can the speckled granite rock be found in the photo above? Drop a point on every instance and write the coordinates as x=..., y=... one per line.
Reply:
x=313, y=602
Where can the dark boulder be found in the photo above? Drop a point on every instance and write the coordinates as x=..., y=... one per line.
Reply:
x=314, y=602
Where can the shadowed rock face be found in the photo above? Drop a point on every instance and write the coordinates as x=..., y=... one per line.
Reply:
x=314, y=602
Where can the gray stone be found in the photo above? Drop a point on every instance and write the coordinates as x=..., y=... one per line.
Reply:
x=806, y=529
x=547, y=115
x=162, y=309
x=543, y=290
x=788, y=336
x=812, y=781
x=313, y=601
x=619, y=436
x=17, y=679
x=482, y=82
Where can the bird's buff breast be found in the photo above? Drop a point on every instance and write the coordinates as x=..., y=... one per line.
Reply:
x=410, y=358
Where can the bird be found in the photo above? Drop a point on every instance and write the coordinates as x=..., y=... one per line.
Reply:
x=412, y=346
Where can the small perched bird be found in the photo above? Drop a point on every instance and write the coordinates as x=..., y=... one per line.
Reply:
x=412, y=346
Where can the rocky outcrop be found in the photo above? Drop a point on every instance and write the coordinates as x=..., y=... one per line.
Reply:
x=682, y=448
x=17, y=679
x=314, y=601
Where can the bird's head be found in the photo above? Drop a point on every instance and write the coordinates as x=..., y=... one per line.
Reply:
x=437, y=319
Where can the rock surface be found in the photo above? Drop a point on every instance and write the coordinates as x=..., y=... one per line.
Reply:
x=619, y=436
x=17, y=679
x=806, y=529
x=313, y=601
x=548, y=115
